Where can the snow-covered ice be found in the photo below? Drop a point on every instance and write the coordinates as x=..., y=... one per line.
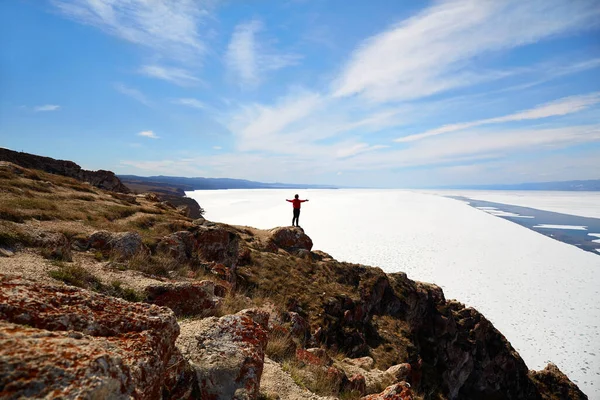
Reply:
x=584, y=204
x=500, y=213
x=572, y=227
x=542, y=294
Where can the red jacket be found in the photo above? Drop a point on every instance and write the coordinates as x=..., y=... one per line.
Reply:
x=296, y=202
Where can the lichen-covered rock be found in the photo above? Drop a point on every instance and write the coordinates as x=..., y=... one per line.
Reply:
x=356, y=383
x=374, y=378
x=215, y=243
x=400, y=372
x=291, y=239
x=55, y=245
x=123, y=245
x=398, y=391
x=187, y=298
x=227, y=354
x=66, y=342
x=179, y=245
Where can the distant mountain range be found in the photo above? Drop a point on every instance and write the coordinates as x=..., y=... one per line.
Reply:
x=176, y=184
x=588, y=185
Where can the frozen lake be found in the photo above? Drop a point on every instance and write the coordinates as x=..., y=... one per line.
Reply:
x=543, y=295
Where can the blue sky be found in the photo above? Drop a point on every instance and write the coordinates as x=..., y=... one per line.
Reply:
x=378, y=93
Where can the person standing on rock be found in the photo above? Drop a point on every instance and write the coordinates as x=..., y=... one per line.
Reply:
x=296, y=204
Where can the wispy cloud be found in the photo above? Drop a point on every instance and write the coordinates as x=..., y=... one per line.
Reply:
x=249, y=59
x=133, y=93
x=437, y=49
x=170, y=27
x=567, y=105
x=46, y=107
x=178, y=76
x=189, y=102
x=148, y=134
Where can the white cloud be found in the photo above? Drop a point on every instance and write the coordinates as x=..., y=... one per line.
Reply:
x=258, y=125
x=148, y=134
x=564, y=106
x=436, y=50
x=171, y=27
x=47, y=107
x=217, y=147
x=133, y=93
x=189, y=102
x=249, y=59
x=178, y=76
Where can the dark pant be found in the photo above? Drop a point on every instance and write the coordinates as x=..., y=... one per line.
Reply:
x=296, y=216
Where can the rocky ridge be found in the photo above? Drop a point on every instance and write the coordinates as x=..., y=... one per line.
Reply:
x=209, y=302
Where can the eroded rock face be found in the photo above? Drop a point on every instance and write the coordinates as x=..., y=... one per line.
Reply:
x=187, y=298
x=217, y=244
x=61, y=341
x=103, y=179
x=291, y=239
x=124, y=245
x=553, y=384
x=179, y=245
x=226, y=353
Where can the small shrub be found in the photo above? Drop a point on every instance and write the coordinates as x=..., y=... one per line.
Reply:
x=75, y=275
x=116, y=289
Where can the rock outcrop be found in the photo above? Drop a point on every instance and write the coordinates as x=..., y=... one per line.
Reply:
x=187, y=298
x=122, y=245
x=291, y=239
x=101, y=179
x=226, y=353
x=65, y=342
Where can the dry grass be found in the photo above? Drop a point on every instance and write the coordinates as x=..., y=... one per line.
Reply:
x=312, y=377
x=76, y=275
x=281, y=346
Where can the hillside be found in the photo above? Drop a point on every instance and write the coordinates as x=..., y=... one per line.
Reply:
x=175, y=184
x=113, y=295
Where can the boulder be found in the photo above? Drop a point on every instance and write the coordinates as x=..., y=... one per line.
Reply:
x=398, y=391
x=226, y=353
x=55, y=245
x=186, y=298
x=215, y=243
x=124, y=245
x=290, y=239
x=66, y=342
x=179, y=245
x=400, y=372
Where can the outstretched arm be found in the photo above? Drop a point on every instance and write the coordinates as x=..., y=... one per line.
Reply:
x=289, y=200
x=302, y=201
